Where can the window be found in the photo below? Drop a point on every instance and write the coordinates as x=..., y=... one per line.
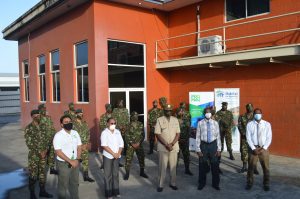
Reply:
x=81, y=51
x=55, y=75
x=26, y=80
x=238, y=9
x=42, y=78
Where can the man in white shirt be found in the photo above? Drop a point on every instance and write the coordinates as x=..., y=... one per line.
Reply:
x=208, y=148
x=259, y=138
x=112, y=144
x=67, y=146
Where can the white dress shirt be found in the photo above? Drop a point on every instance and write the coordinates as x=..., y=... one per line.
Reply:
x=67, y=143
x=112, y=140
x=201, y=134
x=259, y=134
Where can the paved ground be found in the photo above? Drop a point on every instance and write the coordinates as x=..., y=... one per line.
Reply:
x=285, y=176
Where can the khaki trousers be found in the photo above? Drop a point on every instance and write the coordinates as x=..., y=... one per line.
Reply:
x=166, y=158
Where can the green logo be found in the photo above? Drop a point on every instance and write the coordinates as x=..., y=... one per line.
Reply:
x=195, y=98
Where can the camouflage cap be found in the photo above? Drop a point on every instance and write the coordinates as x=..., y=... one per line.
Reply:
x=225, y=103
x=162, y=99
x=134, y=113
x=249, y=105
x=79, y=111
x=41, y=106
x=168, y=107
x=71, y=104
x=35, y=111
x=154, y=101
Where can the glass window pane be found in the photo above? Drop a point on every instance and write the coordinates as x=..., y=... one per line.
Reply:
x=235, y=9
x=42, y=88
x=125, y=53
x=54, y=87
x=125, y=77
x=256, y=7
x=26, y=68
x=26, y=80
x=58, y=86
x=79, y=84
x=115, y=97
x=82, y=54
x=85, y=84
x=55, y=60
x=42, y=64
x=136, y=101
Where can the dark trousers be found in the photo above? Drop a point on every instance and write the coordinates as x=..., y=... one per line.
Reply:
x=209, y=154
x=111, y=176
x=264, y=162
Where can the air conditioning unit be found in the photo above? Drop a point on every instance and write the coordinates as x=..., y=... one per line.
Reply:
x=210, y=45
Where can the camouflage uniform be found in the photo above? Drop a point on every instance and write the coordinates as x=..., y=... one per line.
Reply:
x=153, y=114
x=242, y=125
x=103, y=121
x=163, y=102
x=36, y=142
x=225, y=119
x=71, y=114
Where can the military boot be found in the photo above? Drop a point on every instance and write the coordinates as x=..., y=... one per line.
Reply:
x=31, y=188
x=53, y=171
x=44, y=193
x=244, y=168
x=86, y=177
x=187, y=170
x=231, y=156
x=126, y=176
x=142, y=173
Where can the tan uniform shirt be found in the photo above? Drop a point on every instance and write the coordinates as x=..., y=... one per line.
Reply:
x=168, y=130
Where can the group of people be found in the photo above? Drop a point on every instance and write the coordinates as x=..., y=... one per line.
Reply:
x=122, y=133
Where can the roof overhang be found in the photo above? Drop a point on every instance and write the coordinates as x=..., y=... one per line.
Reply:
x=278, y=54
x=40, y=14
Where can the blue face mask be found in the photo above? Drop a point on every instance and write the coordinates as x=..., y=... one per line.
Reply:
x=257, y=117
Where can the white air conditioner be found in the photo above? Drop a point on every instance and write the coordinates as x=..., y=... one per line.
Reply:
x=210, y=45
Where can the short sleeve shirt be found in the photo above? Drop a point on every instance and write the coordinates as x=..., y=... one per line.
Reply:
x=67, y=143
x=112, y=140
x=168, y=130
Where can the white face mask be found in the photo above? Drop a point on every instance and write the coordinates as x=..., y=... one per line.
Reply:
x=257, y=117
x=112, y=127
x=207, y=115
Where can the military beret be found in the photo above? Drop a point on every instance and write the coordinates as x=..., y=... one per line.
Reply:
x=35, y=111
x=168, y=107
x=41, y=106
x=78, y=111
x=224, y=103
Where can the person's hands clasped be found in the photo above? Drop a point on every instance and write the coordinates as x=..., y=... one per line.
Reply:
x=74, y=163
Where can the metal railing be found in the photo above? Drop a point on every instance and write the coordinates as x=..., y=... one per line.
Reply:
x=224, y=40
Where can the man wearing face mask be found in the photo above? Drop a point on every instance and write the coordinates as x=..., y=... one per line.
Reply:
x=71, y=111
x=134, y=138
x=208, y=148
x=81, y=126
x=153, y=114
x=46, y=126
x=67, y=146
x=36, y=142
x=259, y=138
x=167, y=131
x=112, y=144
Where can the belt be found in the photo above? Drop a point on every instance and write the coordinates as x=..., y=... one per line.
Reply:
x=202, y=142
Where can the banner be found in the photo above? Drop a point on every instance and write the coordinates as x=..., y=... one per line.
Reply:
x=232, y=97
x=198, y=102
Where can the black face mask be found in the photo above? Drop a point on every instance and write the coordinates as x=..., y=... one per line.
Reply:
x=68, y=126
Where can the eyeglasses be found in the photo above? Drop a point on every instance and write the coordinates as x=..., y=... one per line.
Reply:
x=112, y=123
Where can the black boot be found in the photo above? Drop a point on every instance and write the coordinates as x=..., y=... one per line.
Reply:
x=187, y=170
x=43, y=192
x=231, y=156
x=31, y=188
x=53, y=171
x=142, y=173
x=126, y=176
x=244, y=168
x=86, y=177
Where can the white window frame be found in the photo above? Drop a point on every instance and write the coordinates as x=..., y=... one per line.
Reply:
x=81, y=67
x=54, y=74
x=246, y=7
x=26, y=81
x=42, y=75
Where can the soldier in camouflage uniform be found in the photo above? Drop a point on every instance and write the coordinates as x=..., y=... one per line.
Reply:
x=184, y=119
x=163, y=102
x=134, y=139
x=82, y=128
x=242, y=125
x=121, y=115
x=225, y=119
x=71, y=111
x=37, y=144
x=46, y=125
x=153, y=114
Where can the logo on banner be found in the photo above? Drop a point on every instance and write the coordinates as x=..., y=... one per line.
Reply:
x=195, y=98
x=220, y=94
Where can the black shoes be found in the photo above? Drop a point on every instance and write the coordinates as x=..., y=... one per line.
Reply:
x=86, y=177
x=121, y=165
x=266, y=188
x=231, y=156
x=143, y=174
x=174, y=187
x=159, y=189
x=188, y=172
x=200, y=187
x=126, y=176
x=44, y=193
x=216, y=188
x=244, y=168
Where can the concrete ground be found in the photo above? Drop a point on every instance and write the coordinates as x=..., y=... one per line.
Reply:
x=285, y=176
